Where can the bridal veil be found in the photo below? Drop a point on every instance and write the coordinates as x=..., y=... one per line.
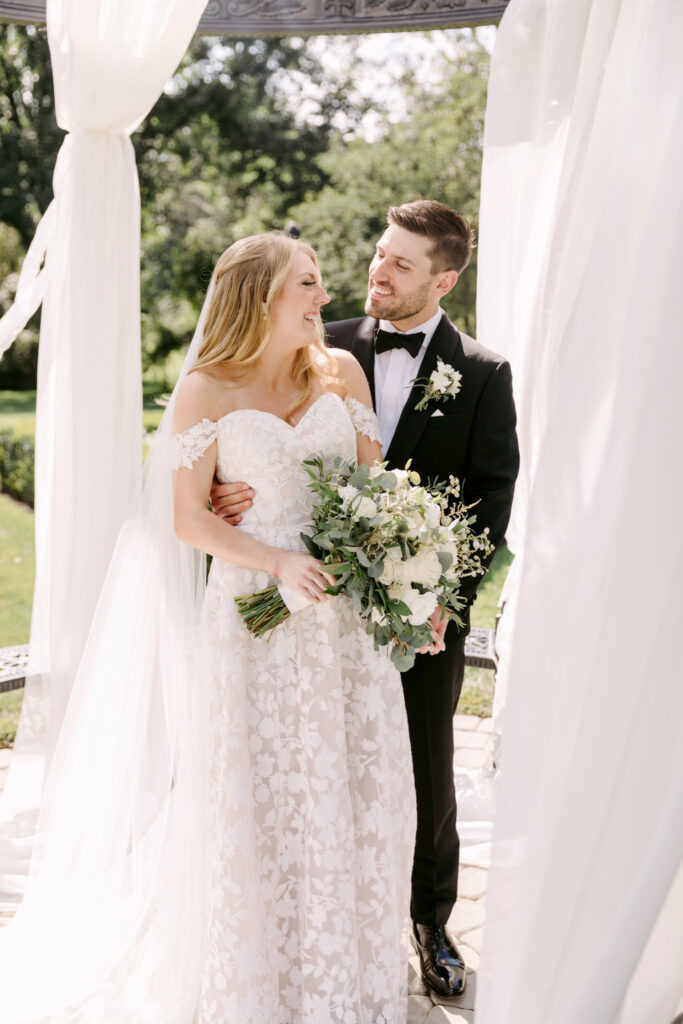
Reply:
x=110, y=927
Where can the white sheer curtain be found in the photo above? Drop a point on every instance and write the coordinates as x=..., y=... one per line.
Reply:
x=110, y=61
x=581, y=250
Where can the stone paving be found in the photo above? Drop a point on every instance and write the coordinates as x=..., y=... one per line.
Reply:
x=473, y=749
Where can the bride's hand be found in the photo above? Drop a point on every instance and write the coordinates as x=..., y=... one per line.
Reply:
x=303, y=573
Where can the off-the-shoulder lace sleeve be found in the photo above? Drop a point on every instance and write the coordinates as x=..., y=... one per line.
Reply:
x=363, y=418
x=191, y=444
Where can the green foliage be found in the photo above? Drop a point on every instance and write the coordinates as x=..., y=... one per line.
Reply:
x=485, y=608
x=17, y=446
x=17, y=568
x=17, y=462
x=381, y=535
x=226, y=151
x=18, y=365
x=223, y=154
x=10, y=708
x=29, y=136
x=479, y=684
x=435, y=152
x=477, y=693
x=18, y=412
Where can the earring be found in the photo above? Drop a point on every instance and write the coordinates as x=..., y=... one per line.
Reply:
x=265, y=310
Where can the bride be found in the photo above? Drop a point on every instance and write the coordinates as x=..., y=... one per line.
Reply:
x=310, y=810
x=247, y=858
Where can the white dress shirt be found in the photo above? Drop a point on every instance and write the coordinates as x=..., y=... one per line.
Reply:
x=394, y=370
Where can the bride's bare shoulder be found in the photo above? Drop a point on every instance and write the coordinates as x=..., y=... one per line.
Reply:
x=201, y=395
x=351, y=375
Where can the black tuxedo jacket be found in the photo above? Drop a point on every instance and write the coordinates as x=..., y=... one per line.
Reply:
x=474, y=440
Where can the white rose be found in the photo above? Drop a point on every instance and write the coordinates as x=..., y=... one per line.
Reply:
x=347, y=494
x=414, y=519
x=432, y=514
x=365, y=508
x=424, y=568
x=421, y=605
x=392, y=559
x=401, y=475
x=402, y=574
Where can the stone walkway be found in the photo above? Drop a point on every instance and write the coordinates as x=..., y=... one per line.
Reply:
x=473, y=747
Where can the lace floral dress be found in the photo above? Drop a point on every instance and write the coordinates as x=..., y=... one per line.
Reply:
x=312, y=817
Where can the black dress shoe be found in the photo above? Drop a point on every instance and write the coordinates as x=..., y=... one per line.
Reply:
x=441, y=966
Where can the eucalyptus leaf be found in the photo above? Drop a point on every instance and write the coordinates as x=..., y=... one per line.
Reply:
x=403, y=660
x=358, y=478
x=446, y=559
x=400, y=607
x=310, y=546
x=387, y=481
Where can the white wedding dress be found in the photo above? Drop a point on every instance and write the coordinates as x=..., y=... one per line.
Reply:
x=311, y=798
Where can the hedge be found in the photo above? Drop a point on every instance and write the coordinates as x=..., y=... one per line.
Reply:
x=17, y=461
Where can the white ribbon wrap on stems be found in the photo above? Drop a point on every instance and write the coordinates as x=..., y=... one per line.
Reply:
x=294, y=600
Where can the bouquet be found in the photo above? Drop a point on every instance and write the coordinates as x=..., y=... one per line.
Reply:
x=397, y=549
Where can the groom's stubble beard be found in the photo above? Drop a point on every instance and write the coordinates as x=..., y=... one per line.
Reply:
x=399, y=307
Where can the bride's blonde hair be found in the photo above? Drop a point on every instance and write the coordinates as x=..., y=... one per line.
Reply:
x=248, y=277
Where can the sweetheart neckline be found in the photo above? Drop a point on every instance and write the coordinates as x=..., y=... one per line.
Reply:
x=274, y=416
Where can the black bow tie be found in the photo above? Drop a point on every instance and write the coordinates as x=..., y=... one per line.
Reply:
x=386, y=340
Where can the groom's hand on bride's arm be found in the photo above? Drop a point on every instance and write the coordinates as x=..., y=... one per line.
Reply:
x=228, y=501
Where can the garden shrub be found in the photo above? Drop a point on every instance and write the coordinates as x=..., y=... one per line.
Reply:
x=17, y=461
x=19, y=365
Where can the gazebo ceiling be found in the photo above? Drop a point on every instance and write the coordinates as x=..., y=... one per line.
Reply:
x=312, y=17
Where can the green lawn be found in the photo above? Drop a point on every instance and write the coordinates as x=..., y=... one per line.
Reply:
x=16, y=583
x=477, y=691
x=17, y=567
x=18, y=410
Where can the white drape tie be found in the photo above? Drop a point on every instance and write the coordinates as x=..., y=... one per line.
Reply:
x=31, y=286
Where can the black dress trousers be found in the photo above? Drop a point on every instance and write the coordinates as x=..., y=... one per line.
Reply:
x=431, y=689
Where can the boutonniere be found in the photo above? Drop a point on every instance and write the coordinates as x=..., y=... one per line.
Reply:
x=443, y=383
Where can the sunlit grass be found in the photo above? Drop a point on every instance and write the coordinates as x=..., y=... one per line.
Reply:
x=477, y=690
x=16, y=588
x=17, y=566
x=18, y=412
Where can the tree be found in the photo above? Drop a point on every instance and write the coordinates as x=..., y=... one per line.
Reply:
x=434, y=152
x=222, y=153
x=29, y=136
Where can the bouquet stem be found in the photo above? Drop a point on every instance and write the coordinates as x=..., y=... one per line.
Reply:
x=262, y=611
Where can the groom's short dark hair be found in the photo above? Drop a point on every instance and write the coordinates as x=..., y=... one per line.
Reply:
x=451, y=236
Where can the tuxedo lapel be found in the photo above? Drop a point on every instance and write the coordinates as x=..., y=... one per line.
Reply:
x=445, y=344
x=363, y=348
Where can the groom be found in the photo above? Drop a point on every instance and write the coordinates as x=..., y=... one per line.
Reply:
x=471, y=436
